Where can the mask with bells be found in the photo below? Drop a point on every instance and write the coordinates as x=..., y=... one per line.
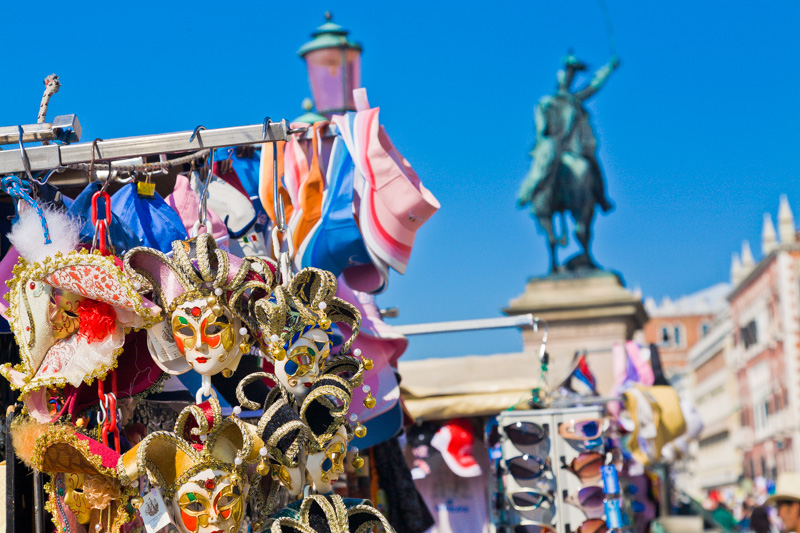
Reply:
x=208, y=295
x=325, y=466
x=329, y=514
x=284, y=435
x=202, y=467
x=298, y=320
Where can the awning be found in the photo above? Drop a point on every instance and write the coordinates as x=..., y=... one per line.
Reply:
x=474, y=385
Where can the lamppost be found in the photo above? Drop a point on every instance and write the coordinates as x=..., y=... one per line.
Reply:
x=334, y=68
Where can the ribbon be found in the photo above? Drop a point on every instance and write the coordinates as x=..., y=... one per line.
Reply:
x=19, y=191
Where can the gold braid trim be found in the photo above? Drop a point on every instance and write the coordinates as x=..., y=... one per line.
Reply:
x=336, y=513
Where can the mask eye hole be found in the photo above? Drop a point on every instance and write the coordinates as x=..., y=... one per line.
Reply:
x=226, y=501
x=185, y=331
x=195, y=507
x=213, y=329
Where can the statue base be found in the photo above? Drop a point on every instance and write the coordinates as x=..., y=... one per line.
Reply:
x=584, y=310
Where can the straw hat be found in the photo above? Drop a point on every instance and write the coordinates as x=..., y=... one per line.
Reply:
x=787, y=488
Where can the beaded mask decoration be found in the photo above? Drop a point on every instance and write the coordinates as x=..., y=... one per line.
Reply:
x=70, y=313
x=202, y=467
x=208, y=297
x=329, y=514
x=85, y=492
x=298, y=320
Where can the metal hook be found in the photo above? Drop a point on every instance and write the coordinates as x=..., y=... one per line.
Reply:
x=267, y=121
x=195, y=132
x=202, y=209
x=277, y=199
x=26, y=163
x=94, y=149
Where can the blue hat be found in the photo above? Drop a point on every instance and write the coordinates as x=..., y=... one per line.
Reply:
x=151, y=218
x=122, y=237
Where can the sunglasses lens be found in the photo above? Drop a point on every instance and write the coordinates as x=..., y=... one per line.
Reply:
x=591, y=497
x=593, y=525
x=525, y=433
x=525, y=467
x=533, y=506
x=528, y=500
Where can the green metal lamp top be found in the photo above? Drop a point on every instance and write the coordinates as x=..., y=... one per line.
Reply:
x=310, y=116
x=329, y=35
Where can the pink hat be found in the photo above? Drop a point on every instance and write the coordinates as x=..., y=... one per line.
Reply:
x=394, y=203
x=185, y=202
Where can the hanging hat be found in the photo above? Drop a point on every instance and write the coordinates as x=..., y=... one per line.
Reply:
x=85, y=486
x=151, y=218
x=69, y=310
x=122, y=237
x=186, y=202
x=199, y=271
x=329, y=514
x=394, y=203
x=335, y=243
x=237, y=213
x=657, y=419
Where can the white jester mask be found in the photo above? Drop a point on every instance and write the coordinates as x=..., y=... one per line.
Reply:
x=207, y=336
x=301, y=366
x=325, y=466
x=212, y=501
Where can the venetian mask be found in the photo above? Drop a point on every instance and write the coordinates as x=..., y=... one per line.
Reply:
x=301, y=366
x=64, y=313
x=70, y=488
x=324, y=467
x=207, y=336
x=212, y=501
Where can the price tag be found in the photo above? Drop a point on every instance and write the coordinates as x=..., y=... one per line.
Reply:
x=154, y=512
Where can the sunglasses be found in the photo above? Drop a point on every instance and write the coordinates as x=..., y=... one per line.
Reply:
x=526, y=468
x=586, y=429
x=526, y=436
x=534, y=505
x=586, y=466
x=593, y=525
x=589, y=500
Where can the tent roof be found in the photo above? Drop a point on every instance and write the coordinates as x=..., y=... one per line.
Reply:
x=473, y=385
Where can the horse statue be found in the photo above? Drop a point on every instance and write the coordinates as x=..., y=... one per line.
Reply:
x=565, y=175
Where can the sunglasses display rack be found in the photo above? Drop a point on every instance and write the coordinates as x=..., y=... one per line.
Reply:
x=548, y=476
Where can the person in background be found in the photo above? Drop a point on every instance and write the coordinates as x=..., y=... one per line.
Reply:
x=787, y=501
x=759, y=520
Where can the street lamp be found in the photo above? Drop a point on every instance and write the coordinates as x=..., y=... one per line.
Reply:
x=334, y=68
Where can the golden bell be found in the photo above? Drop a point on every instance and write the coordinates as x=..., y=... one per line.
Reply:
x=211, y=301
x=361, y=431
x=137, y=501
x=245, y=347
x=369, y=401
x=235, y=479
x=358, y=462
x=263, y=469
x=217, y=310
x=278, y=353
x=324, y=322
x=368, y=364
x=227, y=372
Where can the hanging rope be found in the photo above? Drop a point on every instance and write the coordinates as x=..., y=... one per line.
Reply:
x=21, y=192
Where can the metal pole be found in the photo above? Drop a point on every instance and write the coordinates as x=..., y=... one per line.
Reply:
x=53, y=156
x=466, y=325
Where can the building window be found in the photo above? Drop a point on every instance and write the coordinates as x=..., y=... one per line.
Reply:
x=748, y=334
x=666, y=337
x=678, y=336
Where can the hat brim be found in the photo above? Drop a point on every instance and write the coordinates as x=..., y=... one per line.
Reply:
x=776, y=498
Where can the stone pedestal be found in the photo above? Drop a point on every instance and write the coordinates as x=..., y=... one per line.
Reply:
x=589, y=312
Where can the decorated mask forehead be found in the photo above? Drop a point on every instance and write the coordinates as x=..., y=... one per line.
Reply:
x=210, y=501
x=208, y=336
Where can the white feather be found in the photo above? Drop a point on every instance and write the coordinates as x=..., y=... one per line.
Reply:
x=27, y=235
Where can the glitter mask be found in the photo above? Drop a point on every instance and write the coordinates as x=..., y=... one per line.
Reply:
x=72, y=492
x=324, y=467
x=301, y=366
x=64, y=313
x=210, y=343
x=210, y=502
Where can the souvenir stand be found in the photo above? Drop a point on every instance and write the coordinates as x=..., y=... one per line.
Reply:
x=231, y=282
x=561, y=461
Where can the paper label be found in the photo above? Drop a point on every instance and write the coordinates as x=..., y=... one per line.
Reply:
x=154, y=512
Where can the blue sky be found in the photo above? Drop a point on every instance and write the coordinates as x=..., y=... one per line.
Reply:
x=697, y=129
